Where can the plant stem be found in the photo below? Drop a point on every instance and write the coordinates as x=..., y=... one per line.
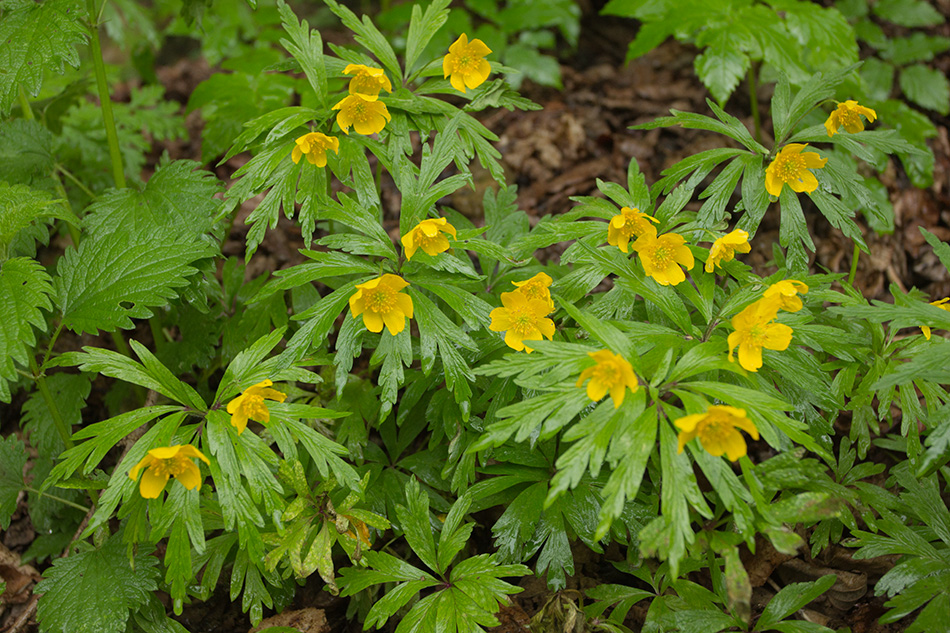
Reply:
x=73, y=229
x=754, y=104
x=854, y=265
x=52, y=341
x=60, y=499
x=25, y=104
x=108, y=120
x=82, y=187
x=58, y=420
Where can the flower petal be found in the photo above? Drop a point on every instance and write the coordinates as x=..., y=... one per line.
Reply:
x=152, y=484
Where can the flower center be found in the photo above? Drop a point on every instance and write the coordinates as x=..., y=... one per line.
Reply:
x=380, y=300
x=606, y=373
x=523, y=322
x=172, y=467
x=757, y=334
x=254, y=407
x=462, y=62
x=661, y=257
x=713, y=430
x=790, y=167
x=359, y=111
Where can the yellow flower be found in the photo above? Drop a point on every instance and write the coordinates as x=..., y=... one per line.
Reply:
x=791, y=167
x=381, y=302
x=465, y=64
x=716, y=430
x=522, y=319
x=366, y=116
x=611, y=373
x=315, y=145
x=367, y=81
x=537, y=288
x=250, y=404
x=849, y=114
x=755, y=329
x=940, y=303
x=629, y=224
x=427, y=235
x=786, y=293
x=725, y=248
x=168, y=461
x=660, y=256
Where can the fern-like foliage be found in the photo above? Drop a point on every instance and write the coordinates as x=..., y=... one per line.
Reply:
x=35, y=37
x=140, y=248
x=24, y=290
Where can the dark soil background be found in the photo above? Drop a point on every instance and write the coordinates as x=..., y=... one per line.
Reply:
x=580, y=135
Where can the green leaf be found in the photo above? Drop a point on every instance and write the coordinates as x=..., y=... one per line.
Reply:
x=369, y=36
x=722, y=64
x=12, y=460
x=21, y=206
x=414, y=520
x=435, y=326
x=24, y=291
x=916, y=48
x=37, y=37
x=306, y=46
x=819, y=88
x=422, y=27
x=908, y=13
x=26, y=151
x=927, y=87
x=629, y=452
x=791, y=598
x=69, y=395
x=73, y=597
x=941, y=249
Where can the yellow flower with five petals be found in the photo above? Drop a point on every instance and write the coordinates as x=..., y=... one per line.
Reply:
x=428, y=235
x=943, y=305
x=250, y=405
x=755, y=329
x=537, y=288
x=790, y=167
x=381, y=302
x=611, y=373
x=662, y=257
x=786, y=293
x=725, y=248
x=314, y=146
x=367, y=81
x=521, y=319
x=168, y=461
x=717, y=430
x=629, y=224
x=848, y=114
x=464, y=65
x=365, y=115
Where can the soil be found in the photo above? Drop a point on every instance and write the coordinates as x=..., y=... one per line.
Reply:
x=582, y=134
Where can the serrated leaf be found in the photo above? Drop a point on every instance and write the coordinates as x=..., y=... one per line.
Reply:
x=34, y=38
x=24, y=291
x=12, y=460
x=369, y=36
x=791, y=598
x=306, y=46
x=927, y=87
x=20, y=206
x=69, y=393
x=422, y=27
x=721, y=65
x=908, y=13
x=74, y=596
x=25, y=151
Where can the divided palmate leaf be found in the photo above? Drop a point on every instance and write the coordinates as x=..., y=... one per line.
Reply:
x=24, y=290
x=94, y=591
x=37, y=37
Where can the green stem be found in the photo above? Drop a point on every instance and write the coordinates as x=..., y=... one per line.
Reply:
x=754, y=104
x=58, y=420
x=25, y=104
x=105, y=102
x=52, y=341
x=854, y=265
x=60, y=499
x=86, y=190
x=120, y=345
x=72, y=228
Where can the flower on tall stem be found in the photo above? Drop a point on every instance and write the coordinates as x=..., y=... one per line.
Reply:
x=366, y=116
x=786, y=293
x=250, y=405
x=725, y=248
x=717, y=431
x=428, y=235
x=168, y=461
x=662, y=257
x=314, y=146
x=381, y=302
x=611, y=373
x=367, y=81
x=754, y=330
x=521, y=319
x=464, y=65
x=537, y=287
x=628, y=225
x=848, y=114
x=790, y=167
x=943, y=305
